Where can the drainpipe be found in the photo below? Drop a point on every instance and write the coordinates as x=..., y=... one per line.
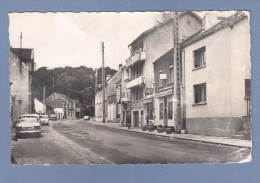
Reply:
x=183, y=91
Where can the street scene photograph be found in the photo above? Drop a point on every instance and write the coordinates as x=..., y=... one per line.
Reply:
x=130, y=87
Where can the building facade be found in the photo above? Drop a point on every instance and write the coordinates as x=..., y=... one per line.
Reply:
x=39, y=106
x=145, y=49
x=22, y=93
x=113, y=97
x=217, y=77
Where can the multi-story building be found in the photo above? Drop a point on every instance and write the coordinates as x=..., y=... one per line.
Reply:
x=21, y=62
x=217, y=76
x=145, y=49
x=113, y=96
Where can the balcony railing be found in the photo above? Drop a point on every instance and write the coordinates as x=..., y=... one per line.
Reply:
x=138, y=80
x=125, y=97
x=138, y=56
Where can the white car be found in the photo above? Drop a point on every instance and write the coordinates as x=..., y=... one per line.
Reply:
x=86, y=118
x=44, y=120
x=29, y=124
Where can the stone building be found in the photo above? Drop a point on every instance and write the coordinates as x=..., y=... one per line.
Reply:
x=21, y=63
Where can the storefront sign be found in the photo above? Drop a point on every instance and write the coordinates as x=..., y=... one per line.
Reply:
x=149, y=91
x=148, y=100
x=164, y=93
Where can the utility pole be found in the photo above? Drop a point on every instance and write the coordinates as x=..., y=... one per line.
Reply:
x=43, y=97
x=103, y=81
x=21, y=37
x=53, y=83
x=95, y=81
x=177, y=72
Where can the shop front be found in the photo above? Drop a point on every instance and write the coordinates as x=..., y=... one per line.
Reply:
x=149, y=110
x=164, y=108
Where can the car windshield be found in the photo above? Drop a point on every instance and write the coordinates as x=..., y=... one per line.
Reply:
x=44, y=116
x=28, y=119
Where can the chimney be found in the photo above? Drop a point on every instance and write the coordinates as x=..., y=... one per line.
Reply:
x=120, y=66
x=108, y=77
x=210, y=20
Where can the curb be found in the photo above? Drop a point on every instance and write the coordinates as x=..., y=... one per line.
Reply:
x=174, y=137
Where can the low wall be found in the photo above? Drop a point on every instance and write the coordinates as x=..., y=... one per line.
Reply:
x=223, y=127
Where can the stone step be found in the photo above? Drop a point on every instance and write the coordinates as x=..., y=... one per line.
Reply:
x=241, y=137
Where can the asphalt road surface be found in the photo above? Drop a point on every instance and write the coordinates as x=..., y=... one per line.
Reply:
x=80, y=142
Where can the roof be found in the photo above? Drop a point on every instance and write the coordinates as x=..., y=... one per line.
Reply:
x=145, y=33
x=32, y=115
x=66, y=97
x=165, y=54
x=229, y=21
x=24, y=54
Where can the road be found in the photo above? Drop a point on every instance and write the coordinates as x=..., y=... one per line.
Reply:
x=80, y=142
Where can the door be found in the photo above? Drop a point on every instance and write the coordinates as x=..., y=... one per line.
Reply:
x=165, y=116
x=142, y=118
x=128, y=117
x=136, y=118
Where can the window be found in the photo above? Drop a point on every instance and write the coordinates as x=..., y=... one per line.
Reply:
x=137, y=94
x=171, y=74
x=150, y=111
x=161, y=111
x=200, y=93
x=247, y=88
x=170, y=110
x=199, y=56
x=160, y=80
x=137, y=71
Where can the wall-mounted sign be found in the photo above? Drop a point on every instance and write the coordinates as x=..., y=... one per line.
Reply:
x=148, y=100
x=149, y=91
x=163, y=76
x=164, y=93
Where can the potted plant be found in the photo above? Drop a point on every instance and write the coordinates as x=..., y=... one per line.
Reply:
x=168, y=130
x=160, y=129
x=144, y=128
x=150, y=128
x=183, y=131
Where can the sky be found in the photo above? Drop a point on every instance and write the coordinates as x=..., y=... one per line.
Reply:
x=73, y=39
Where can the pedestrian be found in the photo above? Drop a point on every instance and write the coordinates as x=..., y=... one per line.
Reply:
x=147, y=119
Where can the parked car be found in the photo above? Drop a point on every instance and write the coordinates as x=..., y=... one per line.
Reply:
x=53, y=117
x=44, y=120
x=86, y=118
x=29, y=124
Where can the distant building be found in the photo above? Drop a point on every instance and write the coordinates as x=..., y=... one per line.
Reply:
x=113, y=97
x=99, y=105
x=21, y=63
x=58, y=100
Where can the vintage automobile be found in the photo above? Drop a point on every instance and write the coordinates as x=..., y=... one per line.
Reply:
x=86, y=118
x=44, y=120
x=29, y=124
x=53, y=117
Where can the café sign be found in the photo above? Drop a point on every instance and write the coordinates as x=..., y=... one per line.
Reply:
x=164, y=93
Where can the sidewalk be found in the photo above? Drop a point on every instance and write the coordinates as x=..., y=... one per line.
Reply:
x=198, y=138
